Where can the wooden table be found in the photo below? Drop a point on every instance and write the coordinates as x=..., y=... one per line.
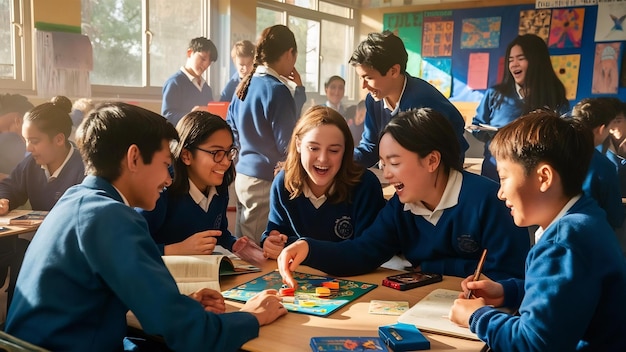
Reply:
x=294, y=331
x=15, y=230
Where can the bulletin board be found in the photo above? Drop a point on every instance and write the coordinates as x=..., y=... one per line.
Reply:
x=461, y=25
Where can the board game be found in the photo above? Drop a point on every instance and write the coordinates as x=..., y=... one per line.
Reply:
x=305, y=299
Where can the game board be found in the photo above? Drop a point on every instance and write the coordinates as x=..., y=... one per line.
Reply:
x=304, y=300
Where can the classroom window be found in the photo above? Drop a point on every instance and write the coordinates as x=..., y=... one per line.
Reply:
x=15, y=54
x=325, y=39
x=139, y=44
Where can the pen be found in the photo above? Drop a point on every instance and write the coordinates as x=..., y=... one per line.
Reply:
x=479, y=269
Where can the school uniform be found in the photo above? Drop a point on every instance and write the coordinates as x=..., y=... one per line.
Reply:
x=181, y=94
x=573, y=295
x=312, y=217
x=448, y=240
x=417, y=93
x=602, y=184
x=91, y=261
x=231, y=86
x=610, y=153
x=176, y=217
x=29, y=182
x=12, y=151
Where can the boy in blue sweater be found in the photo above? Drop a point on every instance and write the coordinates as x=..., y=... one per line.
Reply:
x=92, y=260
x=573, y=295
x=321, y=193
x=190, y=216
x=441, y=217
x=243, y=58
x=12, y=147
x=380, y=61
x=601, y=183
x=187, y=90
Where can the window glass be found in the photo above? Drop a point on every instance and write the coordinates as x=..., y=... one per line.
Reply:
x=7, y=51
x=307, y=33
x=335, y=9
x=267, y=18
x=335, y=52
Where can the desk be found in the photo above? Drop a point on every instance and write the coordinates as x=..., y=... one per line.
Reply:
x=293, y=331
x=15, y=230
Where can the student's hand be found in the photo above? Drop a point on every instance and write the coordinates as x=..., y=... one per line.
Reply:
x=491, y=291
x=211, y=300
x=200, y=108
x=290, y=258
x=462, y=310
x=295, y=77
x=199, y=243
x=274, y=244
x=4, y=206
x=266, y=306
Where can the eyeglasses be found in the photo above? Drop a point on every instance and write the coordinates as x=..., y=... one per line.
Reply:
x=218, y=155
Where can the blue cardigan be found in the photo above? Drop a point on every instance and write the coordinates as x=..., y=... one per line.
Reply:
x=180, y=95
x=332, y=221
x=91, y=261
x=452, y=247
x=175, y=218
x=573, y=295
x=231, y=86
x=262, y=124
x=417, y=94
x=602, y=184
x=28, y=182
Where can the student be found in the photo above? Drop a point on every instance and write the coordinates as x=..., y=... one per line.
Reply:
x=601, y=182
x=380, y=61
x=186, y=90
x=441, y=217
x=321, y=193
x=12, y=146
x=573, y=295
x=262, y=118
x=243, y=58
x=528, y=84
x=335, y=88
x=614, y=147
x=53, y=164
x=190, y=216
x=357, y=123
x=92, y=260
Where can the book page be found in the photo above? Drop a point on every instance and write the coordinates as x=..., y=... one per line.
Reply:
x=187, y=288
x=431, y=314
x=193, y=268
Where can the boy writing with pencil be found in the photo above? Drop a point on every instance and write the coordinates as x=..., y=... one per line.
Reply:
x=573, y=295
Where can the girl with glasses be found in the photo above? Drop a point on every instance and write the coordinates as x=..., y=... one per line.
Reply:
x=190, y=215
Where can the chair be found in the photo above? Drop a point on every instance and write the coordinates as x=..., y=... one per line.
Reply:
x=11, y=256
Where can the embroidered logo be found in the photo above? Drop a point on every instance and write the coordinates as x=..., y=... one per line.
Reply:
x=467, y=244
x=343, y=227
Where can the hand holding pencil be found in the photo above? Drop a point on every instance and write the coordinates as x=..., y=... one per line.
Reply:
x=479, y=269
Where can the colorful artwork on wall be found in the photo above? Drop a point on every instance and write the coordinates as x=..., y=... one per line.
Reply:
x=566, y=29
x=480, y=33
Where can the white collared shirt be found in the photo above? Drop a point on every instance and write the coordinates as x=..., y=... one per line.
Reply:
x=198, y=197
x=266, y=70
x=192, y=78
x=121, y=195
x=519, y=89
x=567, y=207
x=396, y=110
x=449, y=198
x=60, y=168
x=316, y=201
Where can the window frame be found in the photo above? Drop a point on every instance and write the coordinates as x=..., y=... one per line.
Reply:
x=22, y=41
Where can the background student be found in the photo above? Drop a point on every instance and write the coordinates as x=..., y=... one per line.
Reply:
x=614, y=146
x=335, y=88
x=190, y=216
x=262, y=118
x=380, y=61
x=440, y=217
x=84, y=272
x=320, y=193
x=572, y=298
x=356, y=120
x=243, y=59
x=186, y=90
x=601, y=183
x=528, y=84
x=12, y=146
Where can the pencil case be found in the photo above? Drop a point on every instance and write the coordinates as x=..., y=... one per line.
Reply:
x=403, y=337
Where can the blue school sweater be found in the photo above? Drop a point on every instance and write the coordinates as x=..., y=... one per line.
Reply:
x=451, y=247
x=618, y=161
x=573, y=295
x=602, y=185
x=90, y=262
x=176, y=217
x=231, y=86
x=180, y=95
x=28, y=182
x=332, y=221
x=262, y=124
x=417, y=94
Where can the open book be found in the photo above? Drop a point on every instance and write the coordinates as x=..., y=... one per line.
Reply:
x=431, y=314
x=32, y=218
x=193, y=272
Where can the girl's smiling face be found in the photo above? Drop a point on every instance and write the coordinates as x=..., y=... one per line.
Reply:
x=321, y=152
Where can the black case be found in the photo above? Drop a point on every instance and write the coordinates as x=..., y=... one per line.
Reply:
x=411, y=280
